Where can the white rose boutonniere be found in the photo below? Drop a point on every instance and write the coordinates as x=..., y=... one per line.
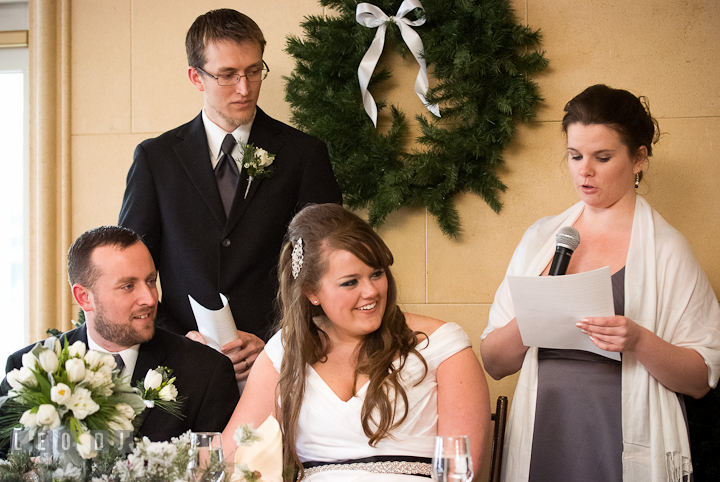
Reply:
x=257, y=161
x=158, y=389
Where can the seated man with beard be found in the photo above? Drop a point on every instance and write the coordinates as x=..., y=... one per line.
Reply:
x=113, y=279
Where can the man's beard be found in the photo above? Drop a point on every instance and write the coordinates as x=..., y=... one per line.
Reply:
x=239, y=121
x=122, y=334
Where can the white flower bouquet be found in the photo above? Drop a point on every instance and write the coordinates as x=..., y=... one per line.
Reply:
x=71, y=387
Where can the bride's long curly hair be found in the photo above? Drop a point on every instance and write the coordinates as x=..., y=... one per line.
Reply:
x=324, y=228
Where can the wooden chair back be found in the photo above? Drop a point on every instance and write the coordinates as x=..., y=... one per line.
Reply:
x=498, y=440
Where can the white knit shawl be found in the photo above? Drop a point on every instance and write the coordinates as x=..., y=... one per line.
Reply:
x=668, y=293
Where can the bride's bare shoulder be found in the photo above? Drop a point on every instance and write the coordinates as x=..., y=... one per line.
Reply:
x=424, y=324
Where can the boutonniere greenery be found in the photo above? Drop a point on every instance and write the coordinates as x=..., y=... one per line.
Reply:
x=158, y=389
x=257, y=161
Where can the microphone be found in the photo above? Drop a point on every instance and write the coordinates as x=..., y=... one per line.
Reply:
x=566, y=242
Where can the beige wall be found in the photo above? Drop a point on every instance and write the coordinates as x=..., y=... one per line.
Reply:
x=129, y=82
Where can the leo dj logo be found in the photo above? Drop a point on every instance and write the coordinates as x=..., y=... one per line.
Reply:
x=60, y=441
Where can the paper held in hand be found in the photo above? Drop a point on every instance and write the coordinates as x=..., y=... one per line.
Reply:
x=548, y=307
x=216, y=326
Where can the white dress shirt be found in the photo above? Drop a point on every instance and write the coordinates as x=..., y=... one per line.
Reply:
x=216, y=135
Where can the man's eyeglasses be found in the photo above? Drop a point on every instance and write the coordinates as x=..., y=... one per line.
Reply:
x=254, y=75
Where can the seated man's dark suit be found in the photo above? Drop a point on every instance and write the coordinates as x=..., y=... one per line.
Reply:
x=204, y=376
x=173, y=202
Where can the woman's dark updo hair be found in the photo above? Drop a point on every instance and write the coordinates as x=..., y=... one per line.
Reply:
x=618, y=109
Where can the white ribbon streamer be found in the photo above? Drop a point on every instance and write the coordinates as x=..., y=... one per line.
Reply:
x=373, y=17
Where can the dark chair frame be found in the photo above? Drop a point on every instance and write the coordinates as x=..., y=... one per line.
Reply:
x=498, y=440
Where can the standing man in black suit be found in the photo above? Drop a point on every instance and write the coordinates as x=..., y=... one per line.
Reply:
x=113, y=277
x=207, y=238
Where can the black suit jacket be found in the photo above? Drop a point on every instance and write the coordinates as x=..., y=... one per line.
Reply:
x=172, y=200
x=203, y=375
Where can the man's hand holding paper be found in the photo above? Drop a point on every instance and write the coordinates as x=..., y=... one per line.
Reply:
x=243, y=351
x=217, y=329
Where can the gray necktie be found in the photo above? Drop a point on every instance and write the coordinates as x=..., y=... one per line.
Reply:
x=120, y=362
x=227, y=174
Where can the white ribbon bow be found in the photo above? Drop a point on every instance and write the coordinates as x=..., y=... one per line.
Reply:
x=371, y=16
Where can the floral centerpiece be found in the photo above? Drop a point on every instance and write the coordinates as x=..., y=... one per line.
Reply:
x=69, y=387
x=154, y=462
x=259, y=459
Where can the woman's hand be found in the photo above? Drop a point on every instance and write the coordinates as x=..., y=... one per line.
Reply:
x=680, y=369
x=612, y=333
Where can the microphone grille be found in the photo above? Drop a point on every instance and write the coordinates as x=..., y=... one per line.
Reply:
x=568, y=237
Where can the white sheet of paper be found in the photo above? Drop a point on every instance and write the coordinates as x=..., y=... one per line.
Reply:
x=548, y=307
x=216, y=326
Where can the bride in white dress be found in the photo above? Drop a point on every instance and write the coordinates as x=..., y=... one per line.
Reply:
x=360, y=388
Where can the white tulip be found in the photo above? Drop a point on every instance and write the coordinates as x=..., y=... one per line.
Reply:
x=75, y=368
x=125, y=410
x=12, y=378
x=61, y=394
x=153, y=380
x=53, y=344
x=48, y=361
x=29, y=420
x=48, y=417
x=27, y=377
x=168, y=393
x=120, y=423
x=93, y=358
x=77, y=349
x=85, y=446
x=29, y=360
x=100, y=378
x=108, y=361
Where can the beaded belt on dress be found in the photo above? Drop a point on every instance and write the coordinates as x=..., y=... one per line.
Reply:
x=382, y=464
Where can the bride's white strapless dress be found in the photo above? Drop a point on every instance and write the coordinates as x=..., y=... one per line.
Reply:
x=330, y=429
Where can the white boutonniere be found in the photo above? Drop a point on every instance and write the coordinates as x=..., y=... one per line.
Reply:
x=257, y=161
x=158, y=389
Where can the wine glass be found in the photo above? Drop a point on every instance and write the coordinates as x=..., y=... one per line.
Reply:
x=452, y=461
x=206, y=457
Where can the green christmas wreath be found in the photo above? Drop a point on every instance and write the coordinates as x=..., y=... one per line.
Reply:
x=481, y=59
